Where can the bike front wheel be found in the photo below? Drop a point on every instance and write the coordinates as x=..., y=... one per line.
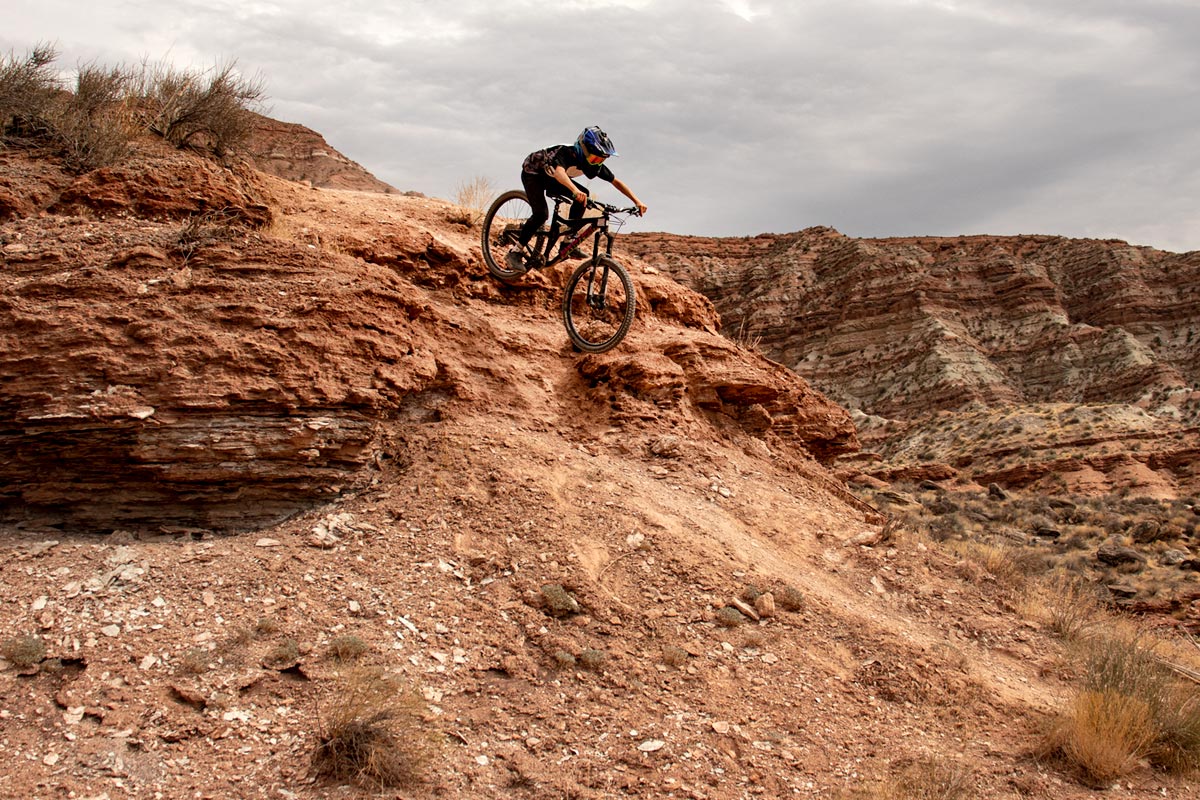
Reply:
x=501, y=224
x=598, y=305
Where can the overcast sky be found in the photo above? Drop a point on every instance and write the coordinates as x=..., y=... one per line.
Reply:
x=733, y=117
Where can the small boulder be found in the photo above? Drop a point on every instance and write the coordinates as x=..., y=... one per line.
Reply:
x=1113, y=553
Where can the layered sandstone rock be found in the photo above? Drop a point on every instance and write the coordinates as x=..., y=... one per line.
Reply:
x=294, y=152
x=191, y=345
x=901, y=329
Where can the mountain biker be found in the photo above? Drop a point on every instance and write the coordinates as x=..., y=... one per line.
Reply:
x=549, y=172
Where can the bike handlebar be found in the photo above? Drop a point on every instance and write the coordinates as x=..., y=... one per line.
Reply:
x=608, y=209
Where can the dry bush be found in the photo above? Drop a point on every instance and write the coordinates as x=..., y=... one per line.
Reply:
x=1104, y=734
x=472, y=198
x=347, y=648
x=374, y=734
x=1129, y=708
x=94, y=126
x=924, y=779
x=1068, y=604
x=205, y=230
x=28, y=86
x=1009, y=566
x=209, y=109
x=23, y=651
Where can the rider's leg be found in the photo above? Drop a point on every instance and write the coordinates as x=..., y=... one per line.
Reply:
x=536, y=192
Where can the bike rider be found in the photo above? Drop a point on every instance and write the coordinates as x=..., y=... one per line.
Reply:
x=549, y=172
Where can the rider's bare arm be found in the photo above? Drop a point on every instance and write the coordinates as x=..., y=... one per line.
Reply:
x=620, y=186
x=561, y=176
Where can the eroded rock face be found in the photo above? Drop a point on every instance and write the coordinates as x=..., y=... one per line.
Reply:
x=169, y=368
x=297, y=153
x=896, y=327
x=903, y=330
x=223, y=382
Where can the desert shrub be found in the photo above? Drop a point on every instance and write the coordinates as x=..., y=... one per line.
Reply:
x=373, y=733
x=789, y=598
x=1070, y=605
x=1129, y=707
x=205, y=230
x=347, y=648
x=564, y=660
x=28, y=86
x=593, y=659
x=195, y=661
x=93, y=127
x=924, y=779
x=208, y=109
x=23, y=651
x=729, y=617
x=472, y=199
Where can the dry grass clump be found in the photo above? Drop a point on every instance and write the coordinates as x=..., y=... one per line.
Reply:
x=472, y=199
x=1067, y=604
x=88, y=128
x=729, y=617
x=374, y=735
x=23, y=651
x=923, y=779
x=347, y=648
x=789, y=598
x=1130, y=707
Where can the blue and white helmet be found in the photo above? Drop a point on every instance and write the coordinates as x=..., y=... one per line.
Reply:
x=594, y=142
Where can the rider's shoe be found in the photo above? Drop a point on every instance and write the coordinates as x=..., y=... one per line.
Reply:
x=515, y=260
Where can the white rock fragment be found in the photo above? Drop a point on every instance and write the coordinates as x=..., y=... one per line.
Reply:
x=40, y=603
x=267, y=541
x=111, y=630
x=651, y=745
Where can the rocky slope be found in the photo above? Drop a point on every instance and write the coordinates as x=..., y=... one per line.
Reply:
x=593, y=576
x=1084, y=356
x=292, y=151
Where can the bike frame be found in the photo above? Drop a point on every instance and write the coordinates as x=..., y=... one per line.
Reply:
x=560, y=225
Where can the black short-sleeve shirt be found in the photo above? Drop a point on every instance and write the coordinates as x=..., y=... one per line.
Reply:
x=563, y=155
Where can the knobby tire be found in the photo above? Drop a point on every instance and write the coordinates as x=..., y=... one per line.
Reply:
x=600, y=325
x=507, y=213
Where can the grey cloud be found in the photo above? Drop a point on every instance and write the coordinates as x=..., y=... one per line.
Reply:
x=873, y=116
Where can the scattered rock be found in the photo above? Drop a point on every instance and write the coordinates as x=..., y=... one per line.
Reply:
x=996, y=493
x=764, y=604
x=1113, y=553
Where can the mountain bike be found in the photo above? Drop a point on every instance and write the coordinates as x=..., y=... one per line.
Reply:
x=598, y=300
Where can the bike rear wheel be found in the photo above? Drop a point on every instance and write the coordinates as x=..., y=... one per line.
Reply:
x=503, y=220
x=598, y=305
